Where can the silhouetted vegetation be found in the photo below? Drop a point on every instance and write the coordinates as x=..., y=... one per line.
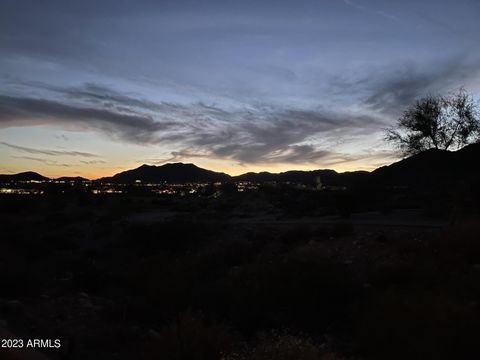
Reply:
x=275, y=273
x=438, y=122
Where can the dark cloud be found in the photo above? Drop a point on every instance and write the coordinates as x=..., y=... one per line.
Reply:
x=177, y=156
x=93, y=162
x=388, y=91
x=62, y=137
x=101, y=95
x=273, y=154
x=392, y=91
x=44, y=161
x=276, y=135
x=373, y=11
x=379, y=156
x=287, y=136
x=48, y=152
x=21, y=111
x=257, y=134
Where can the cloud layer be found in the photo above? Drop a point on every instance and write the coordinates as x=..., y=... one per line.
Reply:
x=49, y=152
x=257, y=134
x=252, y=82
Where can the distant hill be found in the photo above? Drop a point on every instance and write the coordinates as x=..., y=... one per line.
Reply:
x=292, y=175
x=432, y=168
x=23, y=176
x=181, y=173
x=327, y=177
x=172, y=173
x=429, y=168
x=72, y=178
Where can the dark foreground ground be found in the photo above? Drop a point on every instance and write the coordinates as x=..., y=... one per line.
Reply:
x=251, y=276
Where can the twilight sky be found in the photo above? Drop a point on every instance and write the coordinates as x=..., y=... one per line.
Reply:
x=94, y=87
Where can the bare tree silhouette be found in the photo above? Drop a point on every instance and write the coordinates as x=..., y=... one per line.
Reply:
x=440, y=122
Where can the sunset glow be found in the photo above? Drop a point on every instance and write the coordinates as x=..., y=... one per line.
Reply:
x=232, y=88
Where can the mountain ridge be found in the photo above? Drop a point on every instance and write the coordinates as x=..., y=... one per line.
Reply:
x=23, y=176
x=433, y=166
x=171, y=172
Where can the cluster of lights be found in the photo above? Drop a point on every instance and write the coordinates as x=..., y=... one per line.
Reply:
x=21, y=191
x=155, y=188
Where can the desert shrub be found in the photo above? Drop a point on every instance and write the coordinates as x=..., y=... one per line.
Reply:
x=18, y=204
x=260, y=237
x=297, y=234
x=275, y=346
x=282, y=291
x=418, y=324
x=463, y=241
x=344, y=203
x=298, y=203
x=437, y=206
x=222, y=255
x=392, y=274
x=58, y=242
x=92, y=278
x=342, y=229
x=175, y=237
x=18, y=281
x=30, y=248
x=169, y=285
x=61, y=217
x=190, y=337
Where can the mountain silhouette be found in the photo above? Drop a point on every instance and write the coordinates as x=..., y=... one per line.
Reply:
x=327, y=177
x=431, y=168
x=77, y=179
x=23, y=176
x=434, y=168
x=171, y=173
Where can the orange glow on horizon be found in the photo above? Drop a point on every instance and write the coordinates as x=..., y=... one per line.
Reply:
x=213, y=165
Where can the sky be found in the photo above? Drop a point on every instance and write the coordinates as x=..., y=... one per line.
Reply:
x=95, y=87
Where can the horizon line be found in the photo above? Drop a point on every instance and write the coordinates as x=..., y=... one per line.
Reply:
x=189, y=163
